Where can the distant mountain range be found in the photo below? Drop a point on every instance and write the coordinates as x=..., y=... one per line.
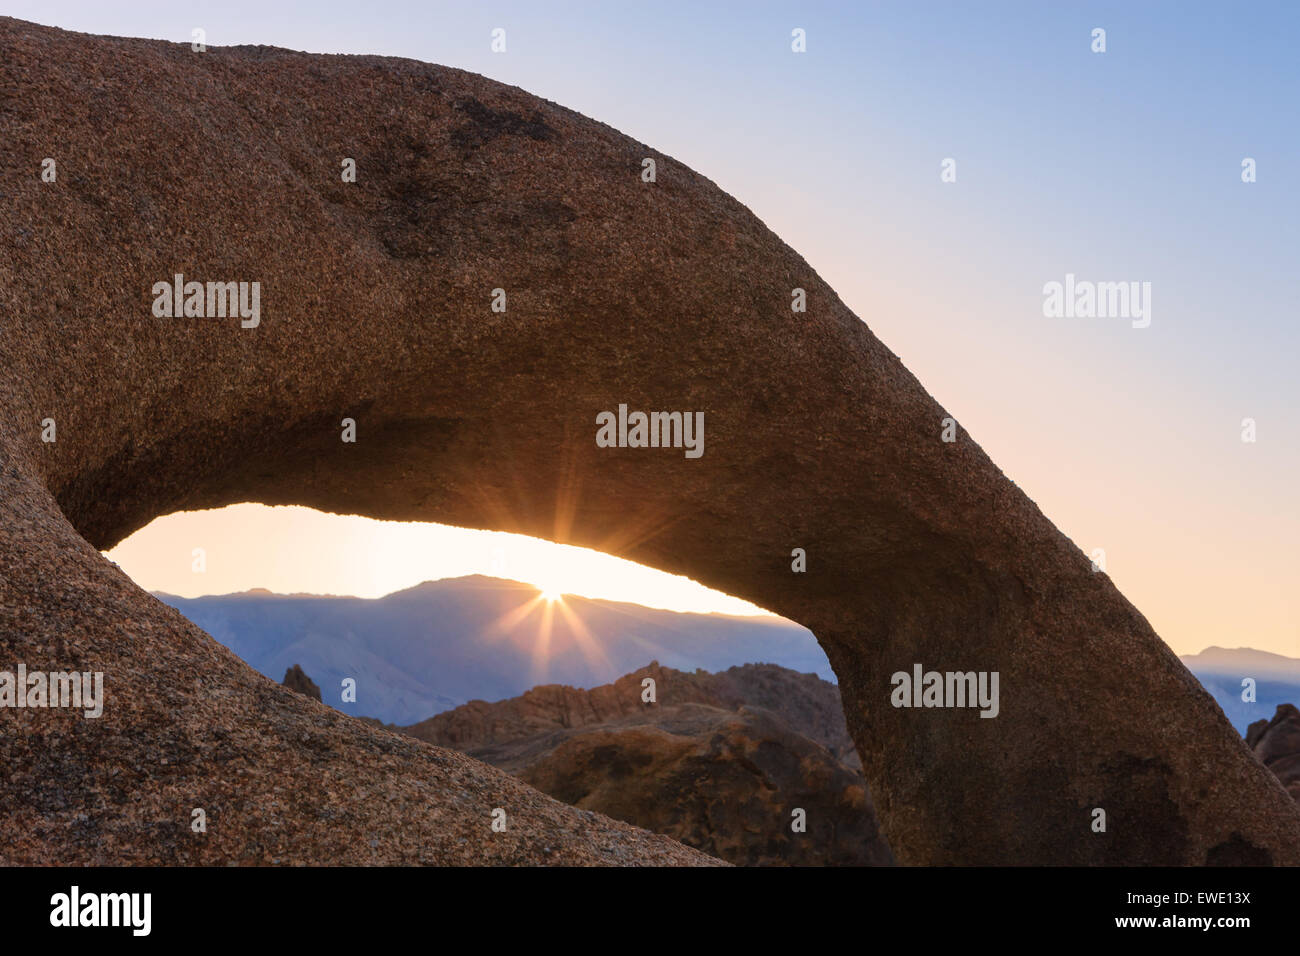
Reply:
x=1221, y=671
x=427, y=649
x=419, y=652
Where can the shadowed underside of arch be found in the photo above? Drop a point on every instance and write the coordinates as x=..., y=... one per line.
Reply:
x=375, y=305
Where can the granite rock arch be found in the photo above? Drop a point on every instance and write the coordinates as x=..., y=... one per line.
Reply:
x=224, y=166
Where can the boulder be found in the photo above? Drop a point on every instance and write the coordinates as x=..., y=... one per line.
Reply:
x=295, y=679
x=1276, y=743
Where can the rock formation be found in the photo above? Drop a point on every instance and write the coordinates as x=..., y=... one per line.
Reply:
x=804, y=701
x=1276, y=743
x=376, y=306
x=295, y=679
x=717, y=761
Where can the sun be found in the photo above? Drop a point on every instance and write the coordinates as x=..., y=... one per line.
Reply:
x=551, y=594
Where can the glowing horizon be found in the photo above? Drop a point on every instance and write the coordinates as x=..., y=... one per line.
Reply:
x=349, y=555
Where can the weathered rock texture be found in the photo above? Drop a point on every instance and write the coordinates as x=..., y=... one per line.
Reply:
x=375, y=305
x=296, y=679
x=717, y=761
x=1276, y=743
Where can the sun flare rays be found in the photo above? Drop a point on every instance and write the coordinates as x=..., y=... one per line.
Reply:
x=541, y=635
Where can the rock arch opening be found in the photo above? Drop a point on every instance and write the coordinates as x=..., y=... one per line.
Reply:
x=425, y=617
x=621, y=690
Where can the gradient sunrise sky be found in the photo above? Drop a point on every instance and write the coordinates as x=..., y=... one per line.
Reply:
x=1124, y=165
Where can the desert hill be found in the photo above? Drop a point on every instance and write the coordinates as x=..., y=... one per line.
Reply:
x=718, y=761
